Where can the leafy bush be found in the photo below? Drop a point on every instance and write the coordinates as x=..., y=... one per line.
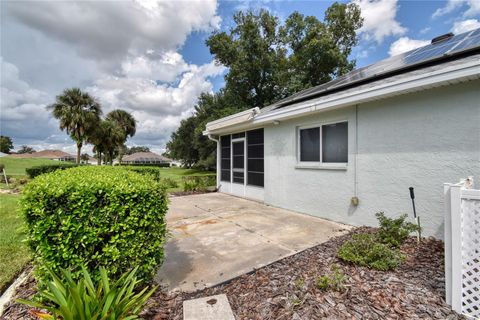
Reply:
x=153, y=171
x=169, y=183
x=365, y=250
x=95, y=216
x=394, y=232
x=68, y=299
x=38, y=170
x=335, y=280
x=198, y=183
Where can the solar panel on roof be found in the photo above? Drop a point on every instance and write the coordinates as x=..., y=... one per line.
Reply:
x=455, y=45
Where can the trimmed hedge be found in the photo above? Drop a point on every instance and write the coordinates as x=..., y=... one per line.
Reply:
x=153, y=171
x=95, y=216
x=46, y=168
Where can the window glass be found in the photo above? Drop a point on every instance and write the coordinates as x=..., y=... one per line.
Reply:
x=335, y=143
x=310, y=144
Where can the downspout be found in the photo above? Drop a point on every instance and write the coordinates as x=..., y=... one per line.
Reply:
x=218, y=159
x=355, y=191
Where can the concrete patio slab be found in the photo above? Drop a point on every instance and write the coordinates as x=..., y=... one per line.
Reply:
x=217, y=237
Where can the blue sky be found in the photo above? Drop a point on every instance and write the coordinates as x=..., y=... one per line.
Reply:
x=150, y=58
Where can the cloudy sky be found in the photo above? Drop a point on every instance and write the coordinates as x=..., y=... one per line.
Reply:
x=150, y=58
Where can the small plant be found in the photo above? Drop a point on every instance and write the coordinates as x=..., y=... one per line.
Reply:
x=68, y=299
x=394, y=232
x=198, y=183
x=335, y=280
x=365, y=250
x=169, y=183
x=300, y=283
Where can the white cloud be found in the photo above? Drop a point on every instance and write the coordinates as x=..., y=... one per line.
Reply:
x=465, y=25
x=379, y=19
x=473, y=8
x=109, y=31
x=125, y=53
x=405, y=44
x=23, y=113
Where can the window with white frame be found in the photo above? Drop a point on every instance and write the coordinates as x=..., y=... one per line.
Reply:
x=326, y=143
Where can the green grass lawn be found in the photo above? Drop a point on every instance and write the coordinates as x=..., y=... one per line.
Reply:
x=16, y=167
x=14, y=254
x=177, y=174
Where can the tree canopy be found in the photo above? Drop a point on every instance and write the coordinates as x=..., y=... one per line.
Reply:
x=6, y=144
x=78, y=114
x=25, y=149
x=267, y=60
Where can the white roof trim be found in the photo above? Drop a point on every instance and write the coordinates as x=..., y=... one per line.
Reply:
x=232, y=120
x=466, y=71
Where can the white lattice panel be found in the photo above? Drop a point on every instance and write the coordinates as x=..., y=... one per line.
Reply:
x=470, y=213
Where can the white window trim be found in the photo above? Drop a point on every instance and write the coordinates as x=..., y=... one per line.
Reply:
x=319, y=164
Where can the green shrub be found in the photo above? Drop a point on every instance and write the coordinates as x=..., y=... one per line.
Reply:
x=394, y=232
x=95, y=216
x=68, y=299
x=153, y=171
x=335, y=280
x=169, y=183
x=38, y=170
x=366, y=250
x=198, y=183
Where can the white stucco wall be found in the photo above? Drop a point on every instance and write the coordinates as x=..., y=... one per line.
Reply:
x=421, y=140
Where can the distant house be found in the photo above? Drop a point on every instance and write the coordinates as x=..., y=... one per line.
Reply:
x=57, y=155
x=352, y=147
x=145, y=158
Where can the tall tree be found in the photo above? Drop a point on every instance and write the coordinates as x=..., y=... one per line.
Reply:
x=25, y=149
x=106, y=139
x=320, y=50
x=78, y=113
x=268, y=60
x=253, y=53
x=181, y=145
x=6, y=144
x=124, y=120
x=127, y=125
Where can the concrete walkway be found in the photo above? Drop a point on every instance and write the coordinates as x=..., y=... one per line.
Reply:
x=217, y=237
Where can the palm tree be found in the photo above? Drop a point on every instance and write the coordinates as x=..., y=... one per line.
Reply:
x=124, y=120
x=78, y=113
x=127, y=124
x=105, y=139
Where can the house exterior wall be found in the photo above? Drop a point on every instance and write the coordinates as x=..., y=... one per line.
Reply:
x=421, y=140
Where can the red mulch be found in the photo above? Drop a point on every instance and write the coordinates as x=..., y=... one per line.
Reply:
x=286, y=289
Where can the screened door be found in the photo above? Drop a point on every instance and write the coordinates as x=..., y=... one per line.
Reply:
x=238, y=161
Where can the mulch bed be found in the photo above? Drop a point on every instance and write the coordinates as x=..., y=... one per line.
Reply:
x=286, y=289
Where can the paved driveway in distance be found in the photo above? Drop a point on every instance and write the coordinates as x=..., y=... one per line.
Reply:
x=217, y=237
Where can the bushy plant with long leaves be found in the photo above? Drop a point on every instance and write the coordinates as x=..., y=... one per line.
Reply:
x=68, y=299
